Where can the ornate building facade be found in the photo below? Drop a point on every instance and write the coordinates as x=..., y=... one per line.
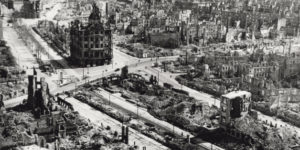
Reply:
x=91, y=44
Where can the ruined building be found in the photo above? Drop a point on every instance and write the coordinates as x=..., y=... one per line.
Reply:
x=234, y=105
x=38, y=95
x=51, y=123
x=290, y=65
x=91, y=44
x=31, y=9
x=8, y=3
x=125, y=135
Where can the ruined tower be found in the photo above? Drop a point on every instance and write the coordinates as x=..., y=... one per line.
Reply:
x=38, y=96
x=31, y=91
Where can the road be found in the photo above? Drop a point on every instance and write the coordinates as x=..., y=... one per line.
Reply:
x=134, y=64
x=24, y=59
x=119, y=60
x=23, y=55
x=53, y=55
x=99, y=118
x=101, y=73
x=165, y=77
x=27, y=60
x=118, y=101
x=18, y=49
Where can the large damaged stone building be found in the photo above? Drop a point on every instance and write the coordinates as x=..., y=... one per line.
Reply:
x=91, y=44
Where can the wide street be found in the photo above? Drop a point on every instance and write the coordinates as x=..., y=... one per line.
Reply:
x=76, y=76
x=27, y=61
x=100, y=118
x=119, y=102
x=120, y=60
x=167, y=77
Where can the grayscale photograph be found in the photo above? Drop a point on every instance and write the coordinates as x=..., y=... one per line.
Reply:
x=149, y=74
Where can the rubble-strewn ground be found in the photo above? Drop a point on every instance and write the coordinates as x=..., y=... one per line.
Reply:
x=127, y=118
x=186, y=110
x=101, y=119
x=190, y=115
x=15, y=123
x=273, y=137
x=9, y=89
x=12, y=73
x=141, y=50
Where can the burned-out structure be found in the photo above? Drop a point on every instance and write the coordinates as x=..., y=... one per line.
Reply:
x=40, y=121
x=38, y=95
x=8, y=3
x=30, y=9
x=91, y=44
x=51, y=122
x=234, y=105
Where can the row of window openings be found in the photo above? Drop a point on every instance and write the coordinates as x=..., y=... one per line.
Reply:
x=93, y=54
x=80, y=34
x=92, y=39
x=94, y=45
x=96, y=32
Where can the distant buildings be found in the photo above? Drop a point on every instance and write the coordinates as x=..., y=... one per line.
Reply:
x=203, y=22
x=290, y=65
x=91, y=44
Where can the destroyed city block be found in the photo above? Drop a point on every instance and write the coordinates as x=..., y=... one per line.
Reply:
x=149, y=74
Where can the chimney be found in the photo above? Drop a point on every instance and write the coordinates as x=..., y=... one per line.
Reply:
x=127, y=136
x=31, y=90
x=123, y=133
x=35, y=77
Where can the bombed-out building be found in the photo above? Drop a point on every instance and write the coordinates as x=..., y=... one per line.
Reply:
x=8, y=3
x=234, y=105
x=31, y=9
x=51, y=123
x=91, y=44
x=38, y=95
